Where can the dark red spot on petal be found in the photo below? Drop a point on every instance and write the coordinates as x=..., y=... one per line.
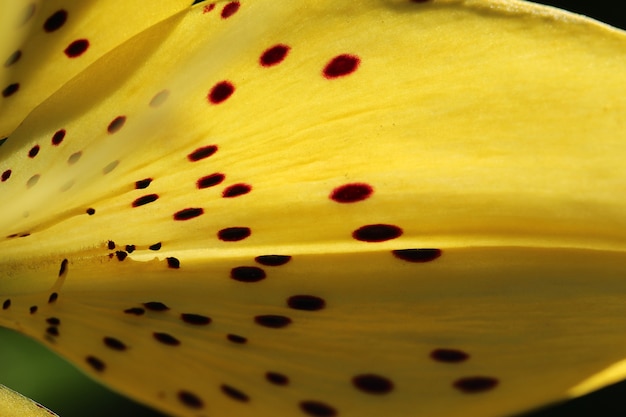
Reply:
x=95, y=363
x=111, y=245
x=276, y=378
x=234, y=393
x=341, y=65
x=201, y=153
x=55, y=21
x=13, y=58
x=114, y=343
x=247, y=274
x=236, y=190
x=274, y=55
x=377, y=233
x=33, y=151
x=156, y=246
x=58, y=136
x=208, y=8
x=449, y=355
x=236, y=338
x=130, y=248
x=190, y=400
x=233, y=234
x=159, y=98
x=195, y=319
x=6, y=304
x=417, y=255
x=155, y=306
x=121, y=255
x=6, y=175
x=220, y=92
x=116, y=124
x=273, y=260
x=317, y=409
x=306, y=302
x=230, y=9
x=166, y=339
x=372, y=384
x=76, y=48
x=188, y=213
x=53, y=297
x=351, y=193
x=10, y=89
x=145, y=199
x=475, y=384
x=272, y=321
x=210, y=180
x=91, y=211
x=135, y=311
x=141, y=184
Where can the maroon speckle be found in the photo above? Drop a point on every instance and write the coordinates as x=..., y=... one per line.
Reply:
x=116, y=124
x=372, y=384
x=32, y=181
x=236, y=338
x=306, y=302
x=230, y=9
x=475, y=384
x=10, y=89
x=195, y=319
x=208, y=8
x=377, y=233
x=53, y=297
x=272, y=321
x=220, y=92
x=73, y=158
x=33, y=309
x=33, y=151
x=188, y=213
x=273, y=260
x=159, y=98
x=166, y=339
x=155, y=306
x=111, y=245
x=236, y=190
x=247, y=274
x=95, y=363
x=449, y=355
x=156, y=246
x=55, y=21
x=340, y=66
x=173, y=263
x=417, y=255
x=144, y=183
x=276, y=378
x=210, y=180
x=190, y=400
x=91, y=211
x=274, y=55
x=201, y=153
x=58, y=136
x=76, y=48
x=6, y=175
x=13, y=58
x=233, y=234
x=234, y=393
x=351, y=193
x=145, y=199
x=121, y=255
x=317, y=409
x=135, y=311
x=130, y=248
x=6, y=304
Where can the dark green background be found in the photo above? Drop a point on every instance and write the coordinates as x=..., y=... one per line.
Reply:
x=51, y=381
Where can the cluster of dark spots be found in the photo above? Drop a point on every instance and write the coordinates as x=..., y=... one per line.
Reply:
x=145, y=199
x=273, y=260
x=121, y=255
x=475, y=384
x=377, y=233
x=210, y=180
x=33, y=309
x=53, y=297
x=114, y=343
x=449, y=355
x=90, y=211
x=95, y=363
x=236, y=190
x=135, y=311
x=155, y=306
x=156, y=246
x=173, y=263
x=372, y=384
x=234, y=393
x=195, y=319
x=247, y=274
x=130, y=248
x=141, y=184
x=317, y=409
x=277, y=378
x=230, y=9
x=55, y=21
x=306, y=302
x=63, y=267
x=417, y=255
x=166, y=339
x=190, y=399
x=201, y=153
x=233, y=234
x=236, y=338
x=272, y=321
x=6, y=304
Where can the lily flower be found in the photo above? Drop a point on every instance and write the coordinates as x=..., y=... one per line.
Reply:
x=317, y=208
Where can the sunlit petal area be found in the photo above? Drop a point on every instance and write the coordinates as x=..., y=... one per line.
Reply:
x=312, y=208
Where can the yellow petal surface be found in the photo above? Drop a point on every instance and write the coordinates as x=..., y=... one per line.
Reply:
x=330, y=209
x=12, y=404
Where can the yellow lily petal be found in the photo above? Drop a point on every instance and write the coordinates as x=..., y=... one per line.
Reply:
x=12, y=404
x=364, y=208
